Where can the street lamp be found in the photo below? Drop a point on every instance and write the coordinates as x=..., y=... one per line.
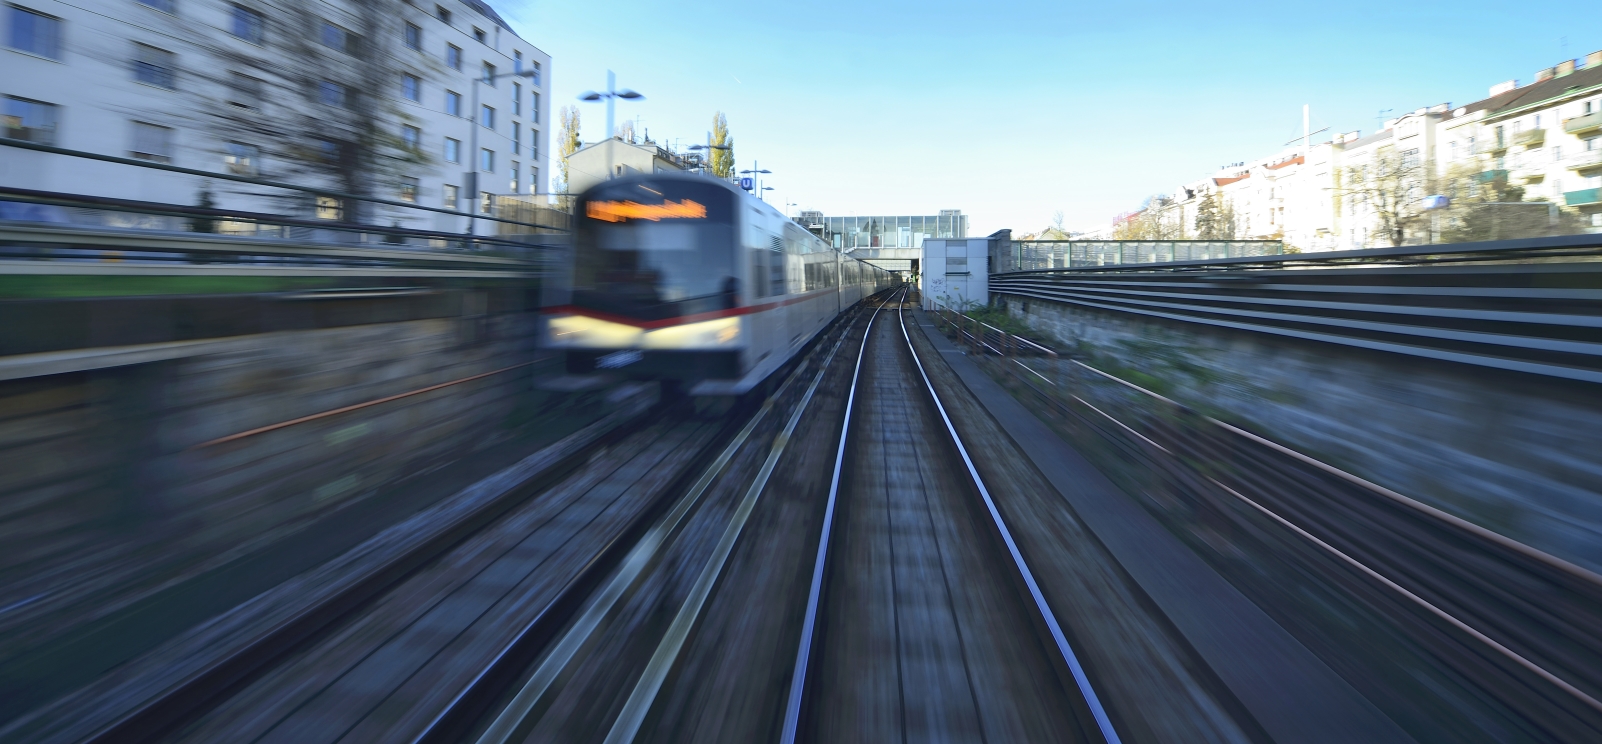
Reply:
x=755, y=171
x=610, y=96
x=708, y=147
x=473, y=155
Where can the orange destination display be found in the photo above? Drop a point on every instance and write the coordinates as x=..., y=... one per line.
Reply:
x=615, y=211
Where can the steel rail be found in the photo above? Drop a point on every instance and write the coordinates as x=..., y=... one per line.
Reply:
x=629, y=719
x=156, y=718
x=1378, y=577
x=643, y=555
x=1081, y=679
x=1257, y=283
x=803, y=654
x=353, y=407
x=1528, y=551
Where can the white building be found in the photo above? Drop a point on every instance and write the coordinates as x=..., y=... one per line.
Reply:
x=277, y=89
x=1545, y=137
x=613, y=158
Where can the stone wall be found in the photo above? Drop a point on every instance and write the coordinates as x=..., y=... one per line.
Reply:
x=107, y=488
x=1518, y=454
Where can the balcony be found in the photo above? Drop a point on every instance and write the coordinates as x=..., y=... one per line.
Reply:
x=1582, y=197
x=1531, y=138
x=1584, y=161
x=1588, y=124
x=1528, y=173
x=1491, y=175
x=1494, y=146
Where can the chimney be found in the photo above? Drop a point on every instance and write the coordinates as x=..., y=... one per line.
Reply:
x=1593, y=59
x=1542, y=76
x=1503, y=87
x=1566, y=67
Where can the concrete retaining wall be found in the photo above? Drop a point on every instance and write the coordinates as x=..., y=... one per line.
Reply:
x=104, y=493
x=1518, y=454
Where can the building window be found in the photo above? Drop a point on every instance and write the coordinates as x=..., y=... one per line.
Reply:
x=536, y=76
x=154, y=66
x=453, y=103
x=534, y=108
x=1557, y=153
x=517, y=139
x=338, y=38
x=408, y=190
x=515, y=187
x=152, y=142
x=329, y=208
x=411, y=136
x=533, y=143
x=489, y=74
x=443, y=14
x=517, y=61
x=517, y=99
x=30, y=121
x=478, y=34
x=244, y=90
x=411, y=87
x=486, y=117
x=533, y=180
x=414, y=36
x=486, y=202
x=330, y=93
x=1410, y=158
x=453, y=56
x=247, y=24
x=329, y=151
x=241, y=159
x=1537, y=121
x=453, y=150
x=34, y=33
x=486, y=160
x=448, y=196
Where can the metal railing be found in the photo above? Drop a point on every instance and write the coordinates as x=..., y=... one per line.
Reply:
x=84, y=214
x=1034, y=255
x=1420, y=584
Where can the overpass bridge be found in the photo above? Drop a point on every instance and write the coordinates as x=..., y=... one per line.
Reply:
x=295, y=489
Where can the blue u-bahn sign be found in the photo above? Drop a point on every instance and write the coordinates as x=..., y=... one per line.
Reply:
x=747, y=183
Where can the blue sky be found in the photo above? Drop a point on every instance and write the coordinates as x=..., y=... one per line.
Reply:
x=1012, y=111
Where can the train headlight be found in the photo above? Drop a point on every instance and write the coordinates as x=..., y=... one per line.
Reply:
x=707, y=334
x=577, y=330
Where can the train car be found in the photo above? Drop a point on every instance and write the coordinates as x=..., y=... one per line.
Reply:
x=687, y=279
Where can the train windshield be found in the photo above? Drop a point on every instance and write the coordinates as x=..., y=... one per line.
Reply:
x=655, y=250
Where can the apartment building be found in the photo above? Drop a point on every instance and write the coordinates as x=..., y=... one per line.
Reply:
x=1544, y=138
x=423, y=101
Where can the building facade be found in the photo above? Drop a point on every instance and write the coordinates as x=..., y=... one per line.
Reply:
x=1525, y=160
x=424, y=101
x=615, y=157
x=893, y=243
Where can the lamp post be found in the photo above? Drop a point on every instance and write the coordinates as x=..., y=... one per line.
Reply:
x=610, y=96
x=473, y=153
x=709, y=148
x=755, y=171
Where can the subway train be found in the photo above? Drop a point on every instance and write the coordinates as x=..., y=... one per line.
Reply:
x=689, y=280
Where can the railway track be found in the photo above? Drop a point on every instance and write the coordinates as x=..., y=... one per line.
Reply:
x=656, y=638
x=915, y=504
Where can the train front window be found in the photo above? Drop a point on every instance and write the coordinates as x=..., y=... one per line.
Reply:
x=656, y=250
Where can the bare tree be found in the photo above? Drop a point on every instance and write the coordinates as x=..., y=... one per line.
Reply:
x=311, y=98
x=1157, y=219
x=1390, y=187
